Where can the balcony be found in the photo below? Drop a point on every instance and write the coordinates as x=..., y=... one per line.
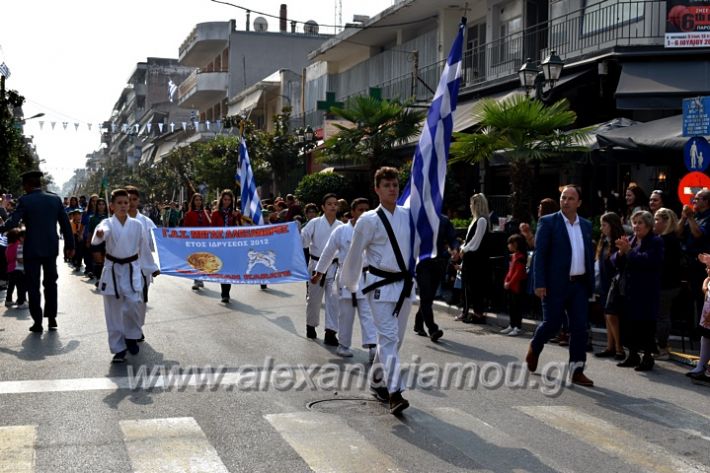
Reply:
x=206, y=41
x=203, y=89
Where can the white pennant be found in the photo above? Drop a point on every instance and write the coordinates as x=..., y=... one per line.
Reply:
x=136, y=127
x=124, y=128
x=219, y=125
x=207, y=123
x=197, y=125
x=184, y=125
x=160, y=127
x=76, y=127
x=149, y=126
x=89, y=125
x=172, y=127
x=65, y=124
x=41, y=124
x=113, y=127
x=53, y=124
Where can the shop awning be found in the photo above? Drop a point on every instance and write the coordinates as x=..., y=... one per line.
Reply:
x=663, y=135
x=163, y=150
x=244, y=105
x=661, y=85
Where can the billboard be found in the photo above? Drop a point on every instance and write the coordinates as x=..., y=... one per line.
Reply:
x=687, y=23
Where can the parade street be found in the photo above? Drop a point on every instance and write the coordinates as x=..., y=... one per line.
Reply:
x=195, y=399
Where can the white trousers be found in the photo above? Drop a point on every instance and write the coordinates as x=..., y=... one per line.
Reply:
x=390, y=334
x=314, y=299
x=123, y=319
x=347, y=318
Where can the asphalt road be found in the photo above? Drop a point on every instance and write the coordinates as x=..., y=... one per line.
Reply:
x=236, y=388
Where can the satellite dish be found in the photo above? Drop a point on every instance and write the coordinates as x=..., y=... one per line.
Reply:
x=311, y=27
x=260, y=24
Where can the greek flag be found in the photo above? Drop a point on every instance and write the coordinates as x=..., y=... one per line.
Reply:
x=4, y=70
x=172, y=88
x=424, y=193
x=251, y=205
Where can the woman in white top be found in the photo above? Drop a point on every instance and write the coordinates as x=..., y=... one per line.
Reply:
x=476, y=267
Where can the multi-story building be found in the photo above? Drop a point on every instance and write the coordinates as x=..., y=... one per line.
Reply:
x=146, y=98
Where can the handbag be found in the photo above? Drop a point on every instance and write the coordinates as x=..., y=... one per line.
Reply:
x=617, y=290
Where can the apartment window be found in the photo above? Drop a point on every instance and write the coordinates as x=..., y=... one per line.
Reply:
x=601, y=15
x=218, y=63
x=510, y=27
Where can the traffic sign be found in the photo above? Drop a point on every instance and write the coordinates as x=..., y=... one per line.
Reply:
x=696, y=116
x=690, y=185
x=697, y=154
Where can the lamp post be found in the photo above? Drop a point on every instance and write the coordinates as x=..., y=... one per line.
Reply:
x=533, y=78
x=306, y=141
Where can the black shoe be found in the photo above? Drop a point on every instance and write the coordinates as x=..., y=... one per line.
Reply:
x=37, y=328
x=142, y=339
x=119, y=357
x=311, y=332
x=421, y=332
x=646, y=364
x=475, y=319
x=381, y=393
x=700, y=378
x=605, y=354
x=436, y=335
x=52, y=323
x=132, y=346
x=330, y=339
x=225, y=300
x=397, y=403
x=620, y=355
x=631, y=361
x=264, y=287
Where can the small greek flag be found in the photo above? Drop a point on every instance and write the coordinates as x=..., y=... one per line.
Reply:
x=4, y=70
x=424, y=193
x=251, y=204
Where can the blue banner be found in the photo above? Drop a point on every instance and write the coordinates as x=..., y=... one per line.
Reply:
x=268, y=254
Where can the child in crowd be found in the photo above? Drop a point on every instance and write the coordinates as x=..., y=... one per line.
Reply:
x=77, y=230
x=701, y=373
x=514, y=283
x=121, y=283
x=15, y=268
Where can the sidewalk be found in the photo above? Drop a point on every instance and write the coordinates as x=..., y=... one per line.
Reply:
x=690, y=357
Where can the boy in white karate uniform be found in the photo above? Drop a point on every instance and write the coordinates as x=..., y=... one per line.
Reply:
x=314, y=236
x=134, y=200
x=121, y=283
x=384, y=235
x=337, y=247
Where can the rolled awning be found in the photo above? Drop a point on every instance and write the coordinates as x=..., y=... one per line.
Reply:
x=664, y=134
x=246, y=103
x=661, y=85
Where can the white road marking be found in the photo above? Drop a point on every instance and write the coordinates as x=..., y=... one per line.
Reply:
x=328, y=445
x=17, y=448
x=172, y=445
x=689, y=422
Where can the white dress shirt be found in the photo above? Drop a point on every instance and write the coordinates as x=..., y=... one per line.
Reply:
x=574, y=231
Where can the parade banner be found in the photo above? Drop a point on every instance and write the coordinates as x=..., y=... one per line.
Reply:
x=268, y=254
x=688, y=23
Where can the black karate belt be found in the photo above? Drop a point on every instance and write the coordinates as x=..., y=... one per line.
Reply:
x=317, y=258
x=354, y=295
x=391, y=278
x=116, y=261
x=145, y=288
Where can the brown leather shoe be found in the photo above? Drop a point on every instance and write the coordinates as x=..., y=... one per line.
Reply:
x=531, y=359
x=580, y=379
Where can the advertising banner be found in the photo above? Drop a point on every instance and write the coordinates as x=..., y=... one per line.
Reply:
x=687, y=23
x=268, y=254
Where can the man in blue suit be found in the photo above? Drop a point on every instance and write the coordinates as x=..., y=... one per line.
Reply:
x=563, y=273
x=40, y=211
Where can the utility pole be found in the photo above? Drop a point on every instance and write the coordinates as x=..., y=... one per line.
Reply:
x=415, y=73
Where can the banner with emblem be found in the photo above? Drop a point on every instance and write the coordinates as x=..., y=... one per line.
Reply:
x=268, y=254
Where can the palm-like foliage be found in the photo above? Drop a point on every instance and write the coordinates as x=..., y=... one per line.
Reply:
x=522, y=130
x=378, y=127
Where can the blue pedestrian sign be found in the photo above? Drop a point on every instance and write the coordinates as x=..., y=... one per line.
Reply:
x=696, y=154
x=696, y=116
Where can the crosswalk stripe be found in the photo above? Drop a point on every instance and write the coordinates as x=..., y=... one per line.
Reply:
x=17, y=448
x=170, y=445
x=611, y=439
x=327, y=444
x=512, y=456
x=692, y=423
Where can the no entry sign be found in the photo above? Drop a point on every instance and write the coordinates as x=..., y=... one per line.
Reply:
x=690, y=185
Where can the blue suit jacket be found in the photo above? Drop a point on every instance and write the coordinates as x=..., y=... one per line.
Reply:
x=41, y=211
x=553, y=254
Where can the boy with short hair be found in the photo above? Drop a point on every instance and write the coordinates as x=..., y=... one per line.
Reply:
x=127, y=252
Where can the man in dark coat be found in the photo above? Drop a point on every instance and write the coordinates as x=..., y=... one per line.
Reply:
x=41, y=211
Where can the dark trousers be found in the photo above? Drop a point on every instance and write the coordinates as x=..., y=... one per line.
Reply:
x=430, y=274
x=571, y=302
x=16, y=280
x=225, y=289
x=475, y=279
x=515, y=309
x=33, y=268
x=639, y=335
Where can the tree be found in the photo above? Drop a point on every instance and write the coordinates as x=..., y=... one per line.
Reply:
x=313, y=187
x=15, y=154
x=522, y=130
x=378, y=127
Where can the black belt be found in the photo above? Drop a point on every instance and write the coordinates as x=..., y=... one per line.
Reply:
x=354, y=295
x=317, y=258
x=578, y=278
x=116, y=261
x=391, y=278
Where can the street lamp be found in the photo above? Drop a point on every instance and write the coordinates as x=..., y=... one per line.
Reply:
x=533, y=78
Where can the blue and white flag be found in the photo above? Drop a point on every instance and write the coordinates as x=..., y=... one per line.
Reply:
x=251, y=204
x=424, y=193
x=172, y=88
x=4, y=70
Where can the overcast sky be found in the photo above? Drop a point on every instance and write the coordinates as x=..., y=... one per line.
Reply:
x=71, y=59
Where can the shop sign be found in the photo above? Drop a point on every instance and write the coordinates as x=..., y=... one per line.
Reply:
x=687, y=23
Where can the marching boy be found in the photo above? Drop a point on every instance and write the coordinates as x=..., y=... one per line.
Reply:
x=384, y=236
x=121, y=282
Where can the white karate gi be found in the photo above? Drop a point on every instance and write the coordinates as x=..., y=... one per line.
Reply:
x=371, y=237
x=337, y=247
x=314, y=236
x=123, y=314
x=148, y=227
